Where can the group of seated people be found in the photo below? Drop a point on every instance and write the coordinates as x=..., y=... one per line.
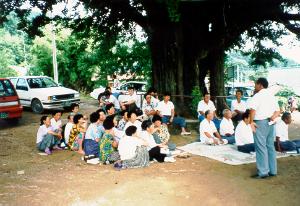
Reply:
x=122, y=138
x=131, y=137
x=216, y=132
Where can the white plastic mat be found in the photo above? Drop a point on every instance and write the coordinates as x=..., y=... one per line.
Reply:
x=227, y=154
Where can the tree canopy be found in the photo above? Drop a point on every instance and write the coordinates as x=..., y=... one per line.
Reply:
x=187, y=38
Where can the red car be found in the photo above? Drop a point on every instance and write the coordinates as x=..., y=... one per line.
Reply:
x=10, y=107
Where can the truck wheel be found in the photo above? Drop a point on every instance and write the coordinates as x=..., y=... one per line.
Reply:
x=37, y=106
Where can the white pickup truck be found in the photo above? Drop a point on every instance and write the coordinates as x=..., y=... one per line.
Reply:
x=41, y=92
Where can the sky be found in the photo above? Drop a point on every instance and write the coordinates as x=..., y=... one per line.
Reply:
x=290, y=48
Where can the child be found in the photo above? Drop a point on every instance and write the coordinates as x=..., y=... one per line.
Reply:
x=75, y=108
x=68, y=128
x=56, y=121
x=77, y=133
x=107, y=143
x=47, y=139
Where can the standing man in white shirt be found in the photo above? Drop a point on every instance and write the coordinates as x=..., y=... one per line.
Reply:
x=238, y=106
x=208, y=131
x=264, y=110
x=166, y=110
x=283, y=143
x=244, y=134
x=227, y=127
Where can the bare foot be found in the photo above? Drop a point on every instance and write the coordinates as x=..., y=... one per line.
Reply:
x=81, y=152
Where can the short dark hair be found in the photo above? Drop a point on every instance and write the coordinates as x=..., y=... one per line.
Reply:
x=145, y=95
x=73, y=105
x=285, y=115
x=151, y=89
x=156, y=118
x=76, y=118
x=246, y=114
x=130, y=130
x=94, y=117
x=167, y=94
x=43, y=118
x=205, y=93
x=54, y=112
x=122, y=113
x=206, y=113
x=240, y=91
x=100, y=110
x=131, y=87
x=108, y=123
x=106, y=93
x=262, y=81
x=146, y=124
x=130, y=113
x=109, y=106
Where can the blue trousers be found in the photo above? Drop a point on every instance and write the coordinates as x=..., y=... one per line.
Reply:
x=230, y=139
x=91, y=147
x=246, y=148
x=216, y=121
x=264, y=146
x=176, y=121
x=290, y=145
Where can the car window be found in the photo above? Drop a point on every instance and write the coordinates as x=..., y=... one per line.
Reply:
x=139, y=87
x=13, y=81
x=21, y=85
x=6, y=89
x=36, y=83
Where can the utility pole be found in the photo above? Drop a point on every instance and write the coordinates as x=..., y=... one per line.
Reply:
x=54, y=59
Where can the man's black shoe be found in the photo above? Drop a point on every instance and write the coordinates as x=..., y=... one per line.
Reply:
x=259, y=177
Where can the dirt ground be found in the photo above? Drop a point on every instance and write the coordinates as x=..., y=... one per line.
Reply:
x=63, y=179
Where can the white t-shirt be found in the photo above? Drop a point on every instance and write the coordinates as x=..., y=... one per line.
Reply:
x=165, y=108
x=149, y=139
x=264, y=103
x=116, y=83
x=137, y=123
x=128, y=98
x=207, y=126
x=118, y=133
x=55, y=124
x=154, y=101
x=243, y=134
x=127, y=147
x=282, y=131
x=113, y=99
x=242, y=106
x=42, y=131
x=203, y=107
x=68, y=129
x=226, y=127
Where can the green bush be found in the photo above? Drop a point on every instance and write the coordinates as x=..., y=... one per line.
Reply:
x=196, y=97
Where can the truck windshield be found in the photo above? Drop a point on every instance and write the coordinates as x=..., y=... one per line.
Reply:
x=36, y=83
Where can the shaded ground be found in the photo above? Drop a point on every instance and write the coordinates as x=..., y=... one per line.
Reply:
x=63, y=179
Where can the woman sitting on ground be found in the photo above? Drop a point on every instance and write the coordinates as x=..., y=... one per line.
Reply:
x=153, y=148
x=161, y=133
x=133, y=150
x=108, y=153
x=132, y=121
x=47, y=139
x=77, y=133
x=92, y=137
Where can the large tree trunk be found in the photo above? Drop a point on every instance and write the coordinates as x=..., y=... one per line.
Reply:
x=216, y=74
